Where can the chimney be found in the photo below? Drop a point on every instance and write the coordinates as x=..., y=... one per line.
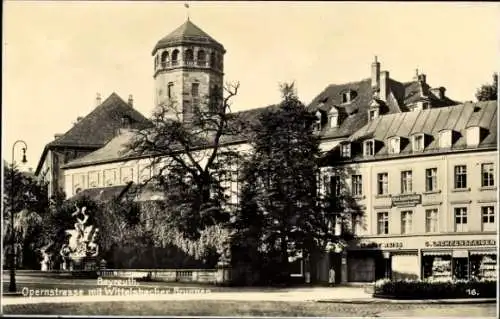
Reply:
x=78, y=119
x=98, y=99
x=375, y=74
x=384, y=85
x=56, y=136
x=422, y=78
x=439, y=92
x=131, y=100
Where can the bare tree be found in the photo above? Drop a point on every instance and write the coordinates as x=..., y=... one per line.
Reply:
x=190, y=160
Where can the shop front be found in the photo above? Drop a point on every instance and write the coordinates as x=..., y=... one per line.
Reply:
x=439, y=257
x=464, y=259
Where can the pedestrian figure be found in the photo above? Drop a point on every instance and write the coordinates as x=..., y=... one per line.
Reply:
x=331, y=277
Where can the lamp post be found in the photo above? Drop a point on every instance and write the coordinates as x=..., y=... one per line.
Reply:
x=12, y=285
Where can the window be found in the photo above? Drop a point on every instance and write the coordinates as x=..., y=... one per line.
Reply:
x=202, y=58
x=406, y=222
x=334, y=120
x=418, y=143
x=170, y=89
x=346, y=97
x=431, y=221
x=488, y=175
x=333, y=186
x=488, y=216
x=460, y=176
x=195, y=87
x=175, y=57
x=430, y=179
x=445, y=139
x=317, y=123
x=383, y=223
x=357, y=185
x=356, y=223
x=406, y=182
x=372, y=114
x=346, y=150
x=369, y=148
x=394, y=146
x=461, y=219
x=473, y=136
x=382, y=183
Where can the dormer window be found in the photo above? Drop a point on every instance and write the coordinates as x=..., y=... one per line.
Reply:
x=345, y=150
x=473, y=136
x=445, y=139
x=372, y=114
x=334, y=120
x=369, y=148
x=317, y=122
x=333, y=117
x=418, y=142
x=394, y=145
x=348, y=96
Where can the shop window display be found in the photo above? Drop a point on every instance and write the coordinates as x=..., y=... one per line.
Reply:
x=437, y=268
x=483, y=267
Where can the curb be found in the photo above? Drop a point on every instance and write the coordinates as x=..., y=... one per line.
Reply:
x=416, y=301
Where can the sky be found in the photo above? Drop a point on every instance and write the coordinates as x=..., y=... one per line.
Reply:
x=58, y=55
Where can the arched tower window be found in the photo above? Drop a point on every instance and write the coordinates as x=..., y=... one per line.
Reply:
x=175, y=57
x=188, y=57
x=164, y=59
x=212, y=60
x=202, y=58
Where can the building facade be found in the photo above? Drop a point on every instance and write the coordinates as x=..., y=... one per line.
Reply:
x=426, y=185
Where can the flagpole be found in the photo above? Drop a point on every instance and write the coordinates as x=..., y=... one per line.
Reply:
x=186, y=5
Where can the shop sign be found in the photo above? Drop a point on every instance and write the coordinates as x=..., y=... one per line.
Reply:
x=381, y=245
x=406, y=200
x=460, y=243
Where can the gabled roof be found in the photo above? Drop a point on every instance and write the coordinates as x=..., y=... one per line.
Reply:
x=187, y=33
x=431, y=122
x=98, y=127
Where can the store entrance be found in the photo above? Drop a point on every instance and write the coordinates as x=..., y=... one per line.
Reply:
x=460, y=268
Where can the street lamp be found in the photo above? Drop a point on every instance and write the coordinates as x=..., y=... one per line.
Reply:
x=12, y=285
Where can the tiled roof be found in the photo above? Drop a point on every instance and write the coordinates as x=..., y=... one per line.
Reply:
x=100, y=125
x=430, y=122
x=356, y=109
x=187, y=33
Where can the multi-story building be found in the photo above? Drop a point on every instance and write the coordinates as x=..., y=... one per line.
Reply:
x=425, y=185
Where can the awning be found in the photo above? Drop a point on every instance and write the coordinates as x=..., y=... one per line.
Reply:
x=483, y=252
x=437, y=253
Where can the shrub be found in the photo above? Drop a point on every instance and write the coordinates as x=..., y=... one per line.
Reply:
x=406, y=289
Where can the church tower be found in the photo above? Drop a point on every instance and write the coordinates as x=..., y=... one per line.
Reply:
x=188, y=67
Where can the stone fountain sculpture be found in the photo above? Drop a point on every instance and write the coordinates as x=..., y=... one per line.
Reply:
x=81, y=250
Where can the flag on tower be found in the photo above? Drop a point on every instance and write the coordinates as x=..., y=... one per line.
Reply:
x=186, y=5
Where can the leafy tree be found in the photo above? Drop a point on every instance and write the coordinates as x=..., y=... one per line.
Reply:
x=23, y=191
x=488, y=92
x=27, y=198
x=280, y=200
x=190, y=161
